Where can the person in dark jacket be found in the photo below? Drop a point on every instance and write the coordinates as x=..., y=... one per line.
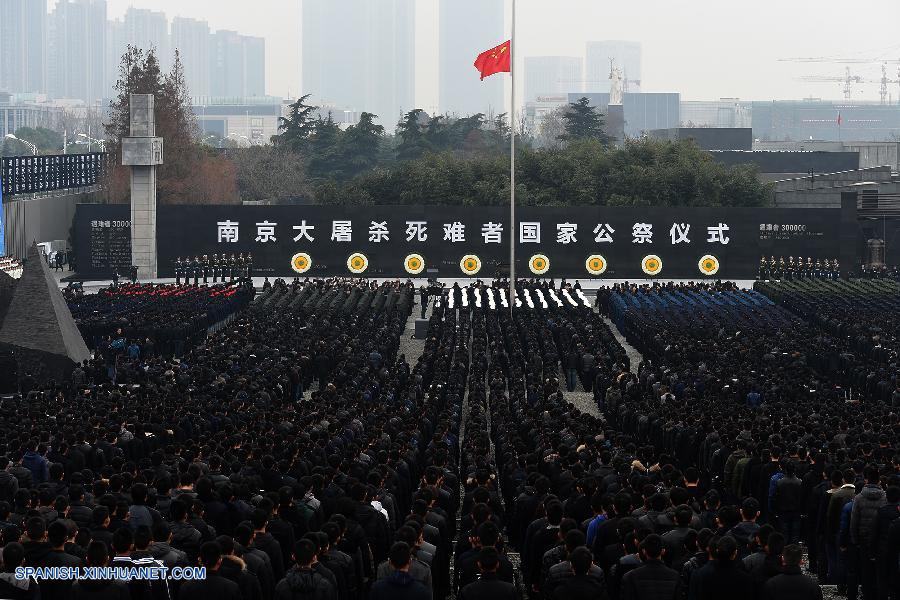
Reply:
x=581, y=586
x=57, y=589
x=99, y=589
x=399, y=585
x=654, y=580
x=723, y=576
x=787, y=503
x=235, y=569
x=302, y=582
x=863, y=520
x=489, y=586
x=262, y=540
x=215, y=585
x=887, y=516
x=10, y=586
x=792, y=584
x=34, y=461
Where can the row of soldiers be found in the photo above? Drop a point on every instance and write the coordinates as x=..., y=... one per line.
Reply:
x=219, y=267
x=793, y=268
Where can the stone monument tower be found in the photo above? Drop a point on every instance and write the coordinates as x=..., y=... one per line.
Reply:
x=143, y=152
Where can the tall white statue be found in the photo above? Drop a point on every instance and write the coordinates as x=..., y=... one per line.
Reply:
x=615, y=85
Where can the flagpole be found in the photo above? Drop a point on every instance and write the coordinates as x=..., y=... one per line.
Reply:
x=512, y=166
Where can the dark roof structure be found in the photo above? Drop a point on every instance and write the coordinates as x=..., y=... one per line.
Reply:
x=38, y=327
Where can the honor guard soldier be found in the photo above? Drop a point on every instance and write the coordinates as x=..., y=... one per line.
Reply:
x=810, y=267
x=801, y=268
x=239, y=269
x=791, y=269
x=249, y=273
x=782, y=268
x=763, y=273
x=232, y=264
x=178, y=268
x=835, y=269
x=196, y=267
x=817, y=270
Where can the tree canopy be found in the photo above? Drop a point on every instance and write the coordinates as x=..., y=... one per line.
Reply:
x=191, y=172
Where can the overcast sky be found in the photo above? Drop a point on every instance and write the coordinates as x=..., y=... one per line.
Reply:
x=705, y=49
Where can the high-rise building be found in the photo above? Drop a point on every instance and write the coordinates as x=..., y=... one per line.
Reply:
x=601, y=56
x=77, y=60
x=461, y=39
x=148, y=29
x=23, y=46
x=191, y=38
x=370, y=66
x=237, y=65
x=551, y=76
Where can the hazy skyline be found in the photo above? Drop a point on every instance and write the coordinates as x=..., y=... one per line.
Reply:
x=699, y=48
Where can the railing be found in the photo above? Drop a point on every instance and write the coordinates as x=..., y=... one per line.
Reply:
x=45, y=173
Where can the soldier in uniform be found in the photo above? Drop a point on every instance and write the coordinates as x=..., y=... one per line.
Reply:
x=215, y=268
x=810, y=268
x=835, y=269
x=249, y=273
x=789, y=274
x=178, y=271
x=817, y=270
x=763, y=273
x=195, y=267
x=239, y=269
x=231, y=266
x=801, y=268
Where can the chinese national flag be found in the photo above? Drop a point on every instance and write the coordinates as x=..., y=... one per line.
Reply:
x=495, y=60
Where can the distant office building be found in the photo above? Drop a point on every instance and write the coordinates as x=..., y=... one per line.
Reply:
x=370, y=66
x=246, y=121
x=708, y=138
x=192, y=39
x=795, y=120
x=148, y=29
x=76, y=65
x=622, y=54
x=23, y=46
x=15, y=115
x=725, y=112
x=641, y=112
x=537, y=110
x=468, y=27
x=552, y=76
x=237, y=65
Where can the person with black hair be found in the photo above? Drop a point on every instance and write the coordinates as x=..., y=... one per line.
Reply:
x=399, y=585
x=302, y=582
x=57, y=589
x=489, y=586
x=723, y=576
x=215, y=585
x=235, y=569
x=581, y=585
x=653, y=580
x=265, y=541
x=791, y=583
x=863, y=520
x=787, y=502
x=10, y=586
x=99, y=589
x=770, y=566
x=257, y=561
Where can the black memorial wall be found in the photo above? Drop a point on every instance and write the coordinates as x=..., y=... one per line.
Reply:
x=442, y=236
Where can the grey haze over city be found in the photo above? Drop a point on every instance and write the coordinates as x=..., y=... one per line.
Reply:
x=703, y=49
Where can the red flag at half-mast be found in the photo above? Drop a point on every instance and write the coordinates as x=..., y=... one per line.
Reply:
x=495, y=60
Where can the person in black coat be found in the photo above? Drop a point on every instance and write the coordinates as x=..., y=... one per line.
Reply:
x=722, y=577
x=98, y=589
x=399, y=585
x=489, y=586
x=581, y=586
x=10, y=587
x=653, y=580
x=792, y=584
x=214, y=586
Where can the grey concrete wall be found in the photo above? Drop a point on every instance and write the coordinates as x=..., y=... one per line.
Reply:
x=38, y=220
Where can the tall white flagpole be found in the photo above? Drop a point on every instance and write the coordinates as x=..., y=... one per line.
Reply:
x=512, y=165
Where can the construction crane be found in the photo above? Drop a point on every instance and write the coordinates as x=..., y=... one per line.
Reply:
x=849, y=79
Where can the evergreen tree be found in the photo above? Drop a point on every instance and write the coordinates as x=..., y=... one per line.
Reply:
x=412, y=144
x=324, y=157
x=583, y=122
x=295, y=129
x=361, y=144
